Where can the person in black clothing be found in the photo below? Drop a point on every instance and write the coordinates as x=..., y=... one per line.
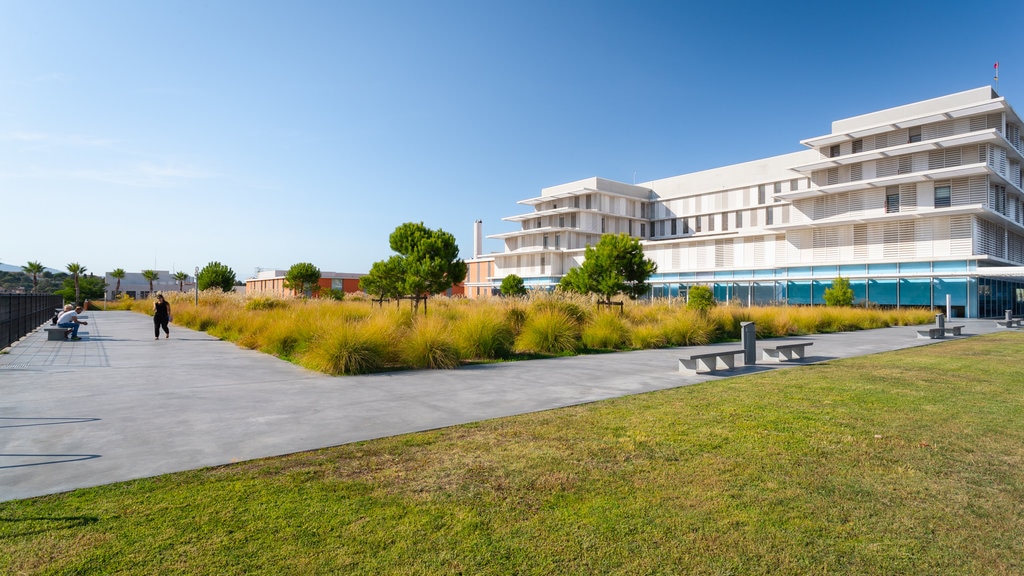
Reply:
x=161, y=316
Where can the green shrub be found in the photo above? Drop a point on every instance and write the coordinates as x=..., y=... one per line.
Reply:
x=548, y=331
x=688, y=328
x=430, y=345
x=701, y=299
x=348, y=350
x=606, y=330
x=646, y=337
x=482, y=335
x=263, y=303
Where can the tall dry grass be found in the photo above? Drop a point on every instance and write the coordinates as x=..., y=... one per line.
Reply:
x=356, y=336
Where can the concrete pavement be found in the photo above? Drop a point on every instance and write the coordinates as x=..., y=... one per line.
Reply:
x=118, y=405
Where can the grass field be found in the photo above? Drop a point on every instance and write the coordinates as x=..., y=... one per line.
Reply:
x=909, y=462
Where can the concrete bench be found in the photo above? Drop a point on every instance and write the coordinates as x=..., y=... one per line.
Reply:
x=933, y=333
x=783, y=352
x=1006, y=323
x=55, y=332
x=954, y=329
x=709, y=362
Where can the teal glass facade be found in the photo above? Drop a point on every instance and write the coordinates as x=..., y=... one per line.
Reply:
x=961, y=285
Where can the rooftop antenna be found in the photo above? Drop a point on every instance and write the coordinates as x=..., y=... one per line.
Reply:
x=996, y=77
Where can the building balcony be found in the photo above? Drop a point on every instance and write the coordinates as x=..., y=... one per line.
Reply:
x=883, y=181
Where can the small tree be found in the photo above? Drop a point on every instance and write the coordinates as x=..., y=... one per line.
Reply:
x=615, y=266
x=303, y=278
x=431, y=259
x=513, y=285
x=151, y=276
x=118, y=274
x=839, y=293
x=88, y=288
x=386, y=279
x=216, y=275
x=34, y=269
x=701, y=299
x=181, y=277
x=76, y=270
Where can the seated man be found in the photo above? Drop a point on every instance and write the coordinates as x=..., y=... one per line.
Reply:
x=69, y=319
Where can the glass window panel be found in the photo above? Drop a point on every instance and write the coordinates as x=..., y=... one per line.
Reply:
x=860, y=291
x=799, y=272
x=798, y=292
x=764, y=293
x=956, y=288
x=946, y=267
x=882, y=291
x=916, y=267
x=723, y=291
x=825, y=271
x=818, y=288
x=853, y=270
x=915, y=292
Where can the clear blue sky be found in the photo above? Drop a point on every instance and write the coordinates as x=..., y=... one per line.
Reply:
x=260, y=134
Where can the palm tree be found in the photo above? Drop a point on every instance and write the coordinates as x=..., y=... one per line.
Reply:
x=117, y=274
x=76, y=270
x=151, y=275
x=35, y=269
x=181, y=277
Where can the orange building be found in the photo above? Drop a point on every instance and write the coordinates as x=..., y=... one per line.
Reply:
x=272, y=282
x=478, y=283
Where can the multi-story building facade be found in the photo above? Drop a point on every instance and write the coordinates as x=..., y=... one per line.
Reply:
x=918, y=205
x=272, y=283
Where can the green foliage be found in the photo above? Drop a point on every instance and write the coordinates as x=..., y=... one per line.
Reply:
x=483, y=335
x=263, y=303
x=76, y=270
x=151, y=276
x=548, y=331
x=607, y=330
x=118, y=274
x=513, y=285
x=333, y=294
x=386, y=278
x=303, y=278
x=216, y=275
x=431, y=259
x=46, y=283
x=181, y=278
x=839, y=293
x=617, y=265
x=430, y=345
x=33, y=269
x=88, y=288
x=701, y=299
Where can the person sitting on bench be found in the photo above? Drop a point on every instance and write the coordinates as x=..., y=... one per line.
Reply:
x=69, y=320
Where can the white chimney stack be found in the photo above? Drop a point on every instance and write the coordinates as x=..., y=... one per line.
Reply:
x=478, y=238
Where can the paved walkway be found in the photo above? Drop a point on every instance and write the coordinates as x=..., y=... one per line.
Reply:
x=118, y=405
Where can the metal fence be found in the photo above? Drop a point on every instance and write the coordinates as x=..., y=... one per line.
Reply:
x=23, y=313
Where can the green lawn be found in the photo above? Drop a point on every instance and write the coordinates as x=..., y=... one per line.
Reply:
x=910, y=462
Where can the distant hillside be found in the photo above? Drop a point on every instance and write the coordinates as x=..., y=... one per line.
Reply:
x=13, y=268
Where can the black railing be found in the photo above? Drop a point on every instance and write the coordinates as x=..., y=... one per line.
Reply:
x=23, y=313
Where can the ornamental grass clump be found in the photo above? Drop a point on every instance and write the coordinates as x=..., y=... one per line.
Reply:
x=606, y=330
x=548, y=331
x=429, y=344
x=686, y=327
x=349, y=348
x=482, y=334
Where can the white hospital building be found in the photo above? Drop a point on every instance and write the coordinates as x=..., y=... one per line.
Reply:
x=917, y=205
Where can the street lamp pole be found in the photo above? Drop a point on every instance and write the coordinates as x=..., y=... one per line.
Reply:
x=197, y=286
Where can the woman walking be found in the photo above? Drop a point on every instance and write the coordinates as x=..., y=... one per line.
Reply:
x=161, y=316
